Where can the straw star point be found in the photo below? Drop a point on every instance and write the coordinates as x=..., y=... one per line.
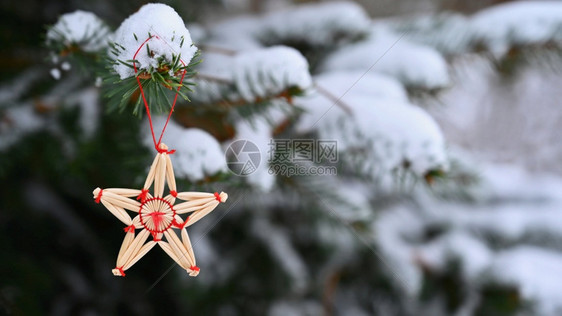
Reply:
x=157, y=216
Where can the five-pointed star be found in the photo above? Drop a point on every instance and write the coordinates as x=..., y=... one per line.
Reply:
x=157, y=216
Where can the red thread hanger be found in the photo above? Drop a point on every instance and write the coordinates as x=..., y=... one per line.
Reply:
x=157, y=144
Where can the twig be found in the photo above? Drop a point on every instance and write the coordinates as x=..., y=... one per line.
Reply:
x=336, y=100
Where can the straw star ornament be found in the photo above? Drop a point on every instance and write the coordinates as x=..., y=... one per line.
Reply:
x=157, y=215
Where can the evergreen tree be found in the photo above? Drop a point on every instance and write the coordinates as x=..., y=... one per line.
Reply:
x=357, y=206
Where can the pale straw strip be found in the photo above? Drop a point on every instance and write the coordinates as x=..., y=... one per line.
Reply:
x=223, y=197
x=170, y=178
x=188, y=196
x=146, y=248
x=197, y=215
x=129, y=237
x=160, y=175
x=187, y=244
x=122, y=201
x=167, y=249
x=117, y=212
x=121, y=204
x=170, y=198
x=123, y=192
x=137, y=222
x=193, y=205
x=133, y=248
x=178, y=247
x=198, y=208
x=150, y=176
x=183, y=261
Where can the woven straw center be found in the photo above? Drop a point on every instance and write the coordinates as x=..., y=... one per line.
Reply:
x=157, y=215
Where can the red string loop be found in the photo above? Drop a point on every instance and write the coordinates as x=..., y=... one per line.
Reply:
x=161, y=150
x=129, y=229
x=178, y=225
x=98, y=198
x=217, y=197
x=157, y=143
x=142, y=196
x=120, y=271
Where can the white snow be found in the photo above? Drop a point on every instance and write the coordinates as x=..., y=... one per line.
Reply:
x=17, y=122
x=338, y=84
x=252, y=74
x=537, y=272
x=514, y=212
x=412, y=64
x=517, y=23
x=55, y=73
x=239, y=33
x=496, y=29
x=474, y=255
x=198, y=154
x=9, y=92
x=323, y=24
x=354, y=195
x=449, y=33
x=21, y=118
x=390, y=130
x=65, y=66
x=88, y=102
x=170, y=37
x=269, y=71
x=390, y=232
x=316, y=24
x=376, y=85
x=82, y=28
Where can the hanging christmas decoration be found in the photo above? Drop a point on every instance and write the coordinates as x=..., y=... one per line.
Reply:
x=157, y=215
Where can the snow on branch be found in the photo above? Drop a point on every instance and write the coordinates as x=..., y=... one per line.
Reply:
x=387, y=129
x=239, y=33
x=315, y=25
x=496, y=29
x=252, y=76
x=270, y=71
x=319, y=24
x=373, y=84
x=414, y=65
x=517, y=23
x=447, y=32
x=484, y=237
x=168, y=40
x=78, y=30
x=538, y=273
x=18, y=122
